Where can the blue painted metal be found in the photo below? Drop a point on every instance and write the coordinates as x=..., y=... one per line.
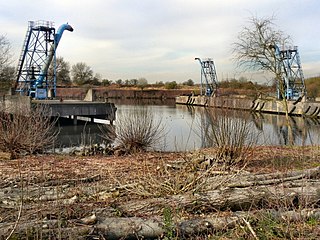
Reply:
x=289, y=66
x=52, y=51
x=209, y=74
x=24, y=49
x=38, y=52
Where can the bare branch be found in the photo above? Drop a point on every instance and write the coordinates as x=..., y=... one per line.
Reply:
x=25, y=130
x=254, y=47
x=137, y=130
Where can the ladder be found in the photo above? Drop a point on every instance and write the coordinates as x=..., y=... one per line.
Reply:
x=23, y=54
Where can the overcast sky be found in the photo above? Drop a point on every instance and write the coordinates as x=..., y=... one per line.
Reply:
x=159, y=39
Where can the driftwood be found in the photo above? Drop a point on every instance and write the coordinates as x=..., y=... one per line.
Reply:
x=72, y=181
x=152, y=228
x=249, y=191
x=243, y=197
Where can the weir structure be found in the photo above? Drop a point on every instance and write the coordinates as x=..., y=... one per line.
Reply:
x=290, y=87
x=208, y=79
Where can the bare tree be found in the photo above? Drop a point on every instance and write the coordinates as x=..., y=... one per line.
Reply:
x=6, y=71
x=5, y=52
x=256, y=49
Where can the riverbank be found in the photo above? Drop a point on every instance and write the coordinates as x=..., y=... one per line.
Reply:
x=299, y=107
x=274, y=194
x=120, y=93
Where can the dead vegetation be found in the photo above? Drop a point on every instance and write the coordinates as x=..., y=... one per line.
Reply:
x=27, y=131
x=157, y=195
x=230, y=133
x=137, y=130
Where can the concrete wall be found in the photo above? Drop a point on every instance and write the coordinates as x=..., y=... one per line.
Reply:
x=102, y=93
x=301, y=108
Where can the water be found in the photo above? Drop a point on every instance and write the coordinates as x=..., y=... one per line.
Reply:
x=185, y=126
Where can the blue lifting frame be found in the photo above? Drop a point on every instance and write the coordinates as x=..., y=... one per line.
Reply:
x=208, y=80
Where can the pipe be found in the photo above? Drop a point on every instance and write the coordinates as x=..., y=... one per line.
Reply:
x=45, y=67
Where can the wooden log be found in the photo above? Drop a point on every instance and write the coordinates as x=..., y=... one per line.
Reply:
x=248, y=180
x=153, y=228
x=302, y=192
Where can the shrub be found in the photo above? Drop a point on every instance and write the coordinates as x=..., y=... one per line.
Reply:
x=136, y=130
x=230, y=133
x=26, y=131
x=171, y=85
x=313, y=87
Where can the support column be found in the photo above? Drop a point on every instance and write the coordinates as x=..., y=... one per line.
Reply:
x=75, y=120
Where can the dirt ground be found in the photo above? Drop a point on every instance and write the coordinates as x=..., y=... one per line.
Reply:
x=67, y=189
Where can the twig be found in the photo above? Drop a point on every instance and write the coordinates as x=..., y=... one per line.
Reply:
x=250, y=228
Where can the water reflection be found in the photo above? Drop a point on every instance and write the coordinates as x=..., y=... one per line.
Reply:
x=275, y=129
x=72, y=136
x=184, y=124
x=294, y=131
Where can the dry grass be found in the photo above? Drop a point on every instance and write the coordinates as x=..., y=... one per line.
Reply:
x=229, y=133
x=27, y=131
x=136, y=130
x=78, y=186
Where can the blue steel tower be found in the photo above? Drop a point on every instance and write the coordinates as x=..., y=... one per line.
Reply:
x=208, y=80
x=292, y=73
x=38, y=51
x=291, y=86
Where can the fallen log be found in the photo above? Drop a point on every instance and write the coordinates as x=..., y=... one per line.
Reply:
x=246, y=192
x=155, y=227
x=247, y=180
x=298, y=193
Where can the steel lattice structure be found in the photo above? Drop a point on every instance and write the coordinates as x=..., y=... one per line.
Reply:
x=293, y=84
x=36, y=48
x=208, y=80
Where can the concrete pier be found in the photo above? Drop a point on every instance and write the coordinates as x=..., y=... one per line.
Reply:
x=295, y=108
x=66, y=108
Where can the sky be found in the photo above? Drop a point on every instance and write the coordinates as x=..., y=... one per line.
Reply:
x=159, y=39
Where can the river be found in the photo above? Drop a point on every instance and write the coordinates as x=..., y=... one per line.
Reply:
x=185, y=127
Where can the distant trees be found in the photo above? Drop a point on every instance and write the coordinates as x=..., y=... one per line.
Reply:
x=62, y=71
x=81, y=73
x=188, y=83
x=142, y=83
x=7, y=72
x=106, y=82
x=119, y=82
x=171, y=85
x=313, y=86
x=7, y=77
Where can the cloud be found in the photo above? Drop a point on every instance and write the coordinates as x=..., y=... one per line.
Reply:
x=159, y=39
